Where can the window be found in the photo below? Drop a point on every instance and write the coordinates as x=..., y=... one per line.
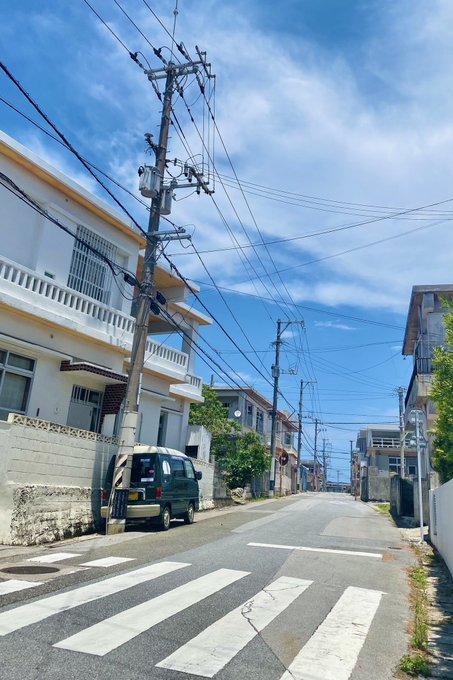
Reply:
x=178, y=467
x=249, y=414
x=260, y=422
x=412, y=470
x=166, y=471
x=143, y=470
x=190, y=472
x=16, y=373
x=394, y=464
x=288, y=438
x=88, y=274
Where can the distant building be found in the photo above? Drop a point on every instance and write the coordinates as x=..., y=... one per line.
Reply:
x=380, y=454
x=252, y=411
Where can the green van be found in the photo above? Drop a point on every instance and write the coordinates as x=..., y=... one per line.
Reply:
x=163, y=486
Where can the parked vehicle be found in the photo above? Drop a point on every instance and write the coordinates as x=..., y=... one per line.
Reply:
x=163, y=486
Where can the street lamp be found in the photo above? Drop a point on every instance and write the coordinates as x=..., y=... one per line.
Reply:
x=415, y=418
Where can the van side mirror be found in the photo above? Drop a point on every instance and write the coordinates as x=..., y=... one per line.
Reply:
x=199, y=475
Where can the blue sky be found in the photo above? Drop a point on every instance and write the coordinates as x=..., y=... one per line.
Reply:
x=333, y=113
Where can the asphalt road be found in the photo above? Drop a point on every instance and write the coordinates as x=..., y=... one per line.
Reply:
x=313, y=587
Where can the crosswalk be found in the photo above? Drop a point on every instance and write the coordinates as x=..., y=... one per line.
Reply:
x=330, y=653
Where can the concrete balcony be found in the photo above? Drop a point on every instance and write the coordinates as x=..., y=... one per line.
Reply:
x=24, y=289
x=29, y=292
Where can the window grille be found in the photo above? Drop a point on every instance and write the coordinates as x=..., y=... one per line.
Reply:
x=89, y=274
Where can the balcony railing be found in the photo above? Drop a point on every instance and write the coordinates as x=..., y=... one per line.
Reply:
x=26, y=284
x=47, y=289
x=166, y=355
x=385, y=443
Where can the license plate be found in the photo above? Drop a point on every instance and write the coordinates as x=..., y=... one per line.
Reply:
x=133, y=495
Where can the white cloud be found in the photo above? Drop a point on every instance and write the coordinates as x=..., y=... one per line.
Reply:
x=334, y=324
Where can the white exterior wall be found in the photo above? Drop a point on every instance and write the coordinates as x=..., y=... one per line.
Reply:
x=206, y=483
x=41, y=245
x=441, y=512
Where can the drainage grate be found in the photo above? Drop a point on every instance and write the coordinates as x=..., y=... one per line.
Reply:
x=394, y=547
x=29, y=570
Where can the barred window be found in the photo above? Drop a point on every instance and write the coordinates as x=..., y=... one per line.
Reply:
x=88, y=274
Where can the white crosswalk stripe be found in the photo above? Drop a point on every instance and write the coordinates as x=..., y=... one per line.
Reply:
x=14, y=585
x=24, y=615
x=48, y=558
x=332, y=651
x=207, y=653
x=107, y=562
x=107, y=635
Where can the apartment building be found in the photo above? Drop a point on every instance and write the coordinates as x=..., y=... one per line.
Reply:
x=66, y=319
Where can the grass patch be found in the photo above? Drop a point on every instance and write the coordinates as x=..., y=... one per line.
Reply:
x=415, y=665
x=419, y=578
x=384, y=508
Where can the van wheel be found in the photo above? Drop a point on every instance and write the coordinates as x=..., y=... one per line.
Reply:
x=190, y=514
x=165, y=519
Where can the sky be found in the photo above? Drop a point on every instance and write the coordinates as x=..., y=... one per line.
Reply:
x=332, y=146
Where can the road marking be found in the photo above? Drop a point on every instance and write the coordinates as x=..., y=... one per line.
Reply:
x=107, y=561
x=24, y=615
x=207, y=653
x=116, y=630
x=333, y=551
x=14, y=585
x=332, y=651
x=53, y=557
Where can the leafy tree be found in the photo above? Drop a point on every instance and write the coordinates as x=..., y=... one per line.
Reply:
x=442, y=395
x=247, y=459
x=212, y=414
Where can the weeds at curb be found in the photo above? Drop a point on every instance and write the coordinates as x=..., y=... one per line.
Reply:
x=415, y=665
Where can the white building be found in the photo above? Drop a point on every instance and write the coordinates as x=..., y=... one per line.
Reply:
x=253, y=411
x=65, y=320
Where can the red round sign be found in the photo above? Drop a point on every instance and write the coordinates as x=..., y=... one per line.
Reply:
x=283, y=458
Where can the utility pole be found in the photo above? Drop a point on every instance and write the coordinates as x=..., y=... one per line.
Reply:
x=351, y=441
x=401, y=391
x=315, y=457
x=157, y=192
x=324, y=465
x=276, y=372
x=299, y=416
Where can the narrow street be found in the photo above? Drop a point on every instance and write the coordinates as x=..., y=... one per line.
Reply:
x=306, y=588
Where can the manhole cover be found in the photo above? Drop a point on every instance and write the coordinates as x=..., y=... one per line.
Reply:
x=29, y=570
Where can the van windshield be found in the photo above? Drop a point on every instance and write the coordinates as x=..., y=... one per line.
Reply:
x=143, y=469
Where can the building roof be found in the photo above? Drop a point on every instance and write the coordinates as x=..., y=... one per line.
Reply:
x=412, y=324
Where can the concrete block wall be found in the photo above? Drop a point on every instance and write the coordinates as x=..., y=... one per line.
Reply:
x=51, y=476
x=206, y=483
x=50, y=480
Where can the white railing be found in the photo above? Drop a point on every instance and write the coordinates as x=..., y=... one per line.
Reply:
x=165, y=354
x=48, y=289
x=386, y=443
x=195, y=381
x=36, y=284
